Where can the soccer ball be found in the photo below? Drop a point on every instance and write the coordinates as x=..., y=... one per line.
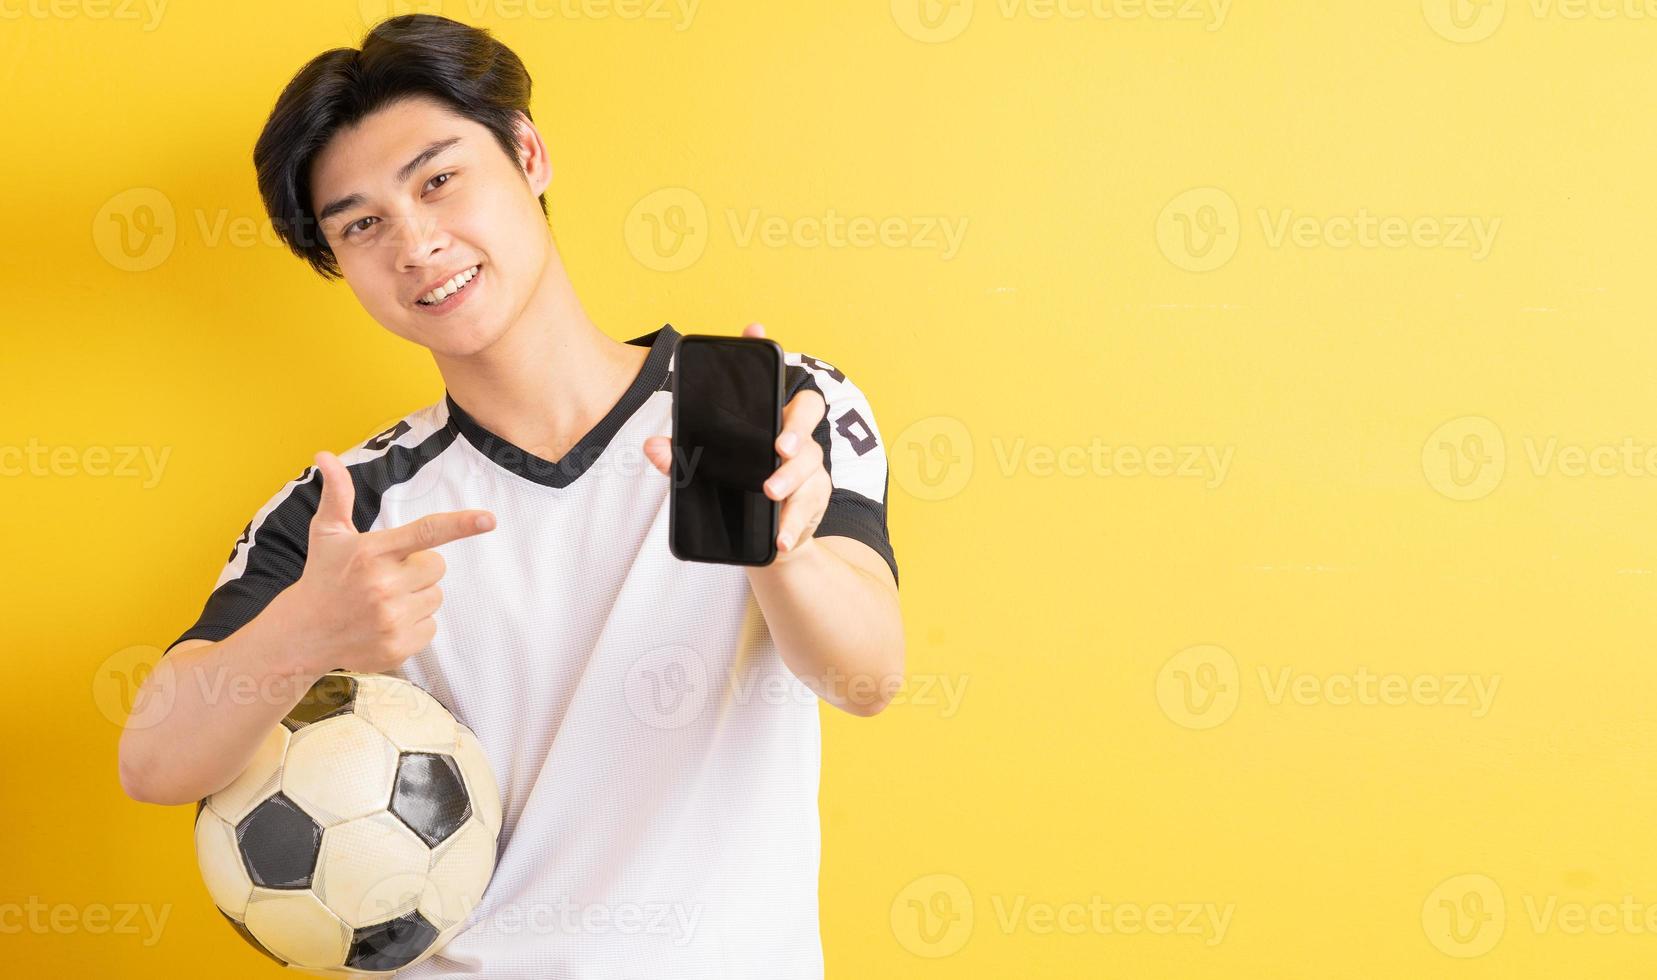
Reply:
x=361, y=835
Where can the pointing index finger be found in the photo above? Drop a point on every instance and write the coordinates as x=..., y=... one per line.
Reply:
x=433, y=530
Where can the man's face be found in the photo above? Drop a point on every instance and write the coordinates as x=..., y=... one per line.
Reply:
x=404, y=229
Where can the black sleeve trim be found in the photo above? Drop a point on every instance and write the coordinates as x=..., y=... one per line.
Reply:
x=233, y=606
x=852, y=515
x=275, y=560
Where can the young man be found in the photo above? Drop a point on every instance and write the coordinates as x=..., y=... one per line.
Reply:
x=652, y=723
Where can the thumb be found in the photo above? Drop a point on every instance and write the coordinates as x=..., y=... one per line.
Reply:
x=659, y=450
x=339, y=494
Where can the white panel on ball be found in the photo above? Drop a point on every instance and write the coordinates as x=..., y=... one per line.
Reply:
x=412, y=719
x=371, y=869
x=461, y=869
x=221, y=864
x=339, y=769
x=297, y=927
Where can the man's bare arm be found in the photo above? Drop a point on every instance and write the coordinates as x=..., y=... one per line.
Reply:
x=205, y=709
x=832, y=608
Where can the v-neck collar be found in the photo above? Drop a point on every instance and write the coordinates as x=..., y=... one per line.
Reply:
x=652, y=377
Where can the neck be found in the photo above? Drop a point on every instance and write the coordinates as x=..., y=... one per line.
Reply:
x=550, y=376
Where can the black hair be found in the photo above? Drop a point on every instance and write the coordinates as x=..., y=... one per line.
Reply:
x=404, y=57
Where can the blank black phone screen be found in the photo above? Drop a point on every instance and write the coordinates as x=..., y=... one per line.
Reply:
x=726, y=408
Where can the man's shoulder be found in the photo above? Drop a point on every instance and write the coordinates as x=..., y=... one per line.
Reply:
x=407, y=431
x=810, y=371
x=398, y=444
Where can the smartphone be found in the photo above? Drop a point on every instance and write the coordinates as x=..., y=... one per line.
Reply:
x=727, y=414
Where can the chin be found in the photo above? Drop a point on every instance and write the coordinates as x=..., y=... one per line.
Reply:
x=464, y=344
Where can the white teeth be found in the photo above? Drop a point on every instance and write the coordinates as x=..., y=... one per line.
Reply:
x=452, y=286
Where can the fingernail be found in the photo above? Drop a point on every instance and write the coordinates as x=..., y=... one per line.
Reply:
x=786, y=542
x=485, y=522
x=773, y=486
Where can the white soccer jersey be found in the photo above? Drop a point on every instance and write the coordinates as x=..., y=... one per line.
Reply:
x=658, y=763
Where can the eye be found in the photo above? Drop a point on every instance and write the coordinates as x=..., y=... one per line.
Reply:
x=448, y=173
x=357, y=226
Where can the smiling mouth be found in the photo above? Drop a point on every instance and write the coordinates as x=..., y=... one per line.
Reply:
x=441, y=294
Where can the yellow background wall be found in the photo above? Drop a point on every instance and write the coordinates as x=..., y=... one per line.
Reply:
x=1272, y=450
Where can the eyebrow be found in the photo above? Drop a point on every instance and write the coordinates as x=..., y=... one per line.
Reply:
x=406, y=171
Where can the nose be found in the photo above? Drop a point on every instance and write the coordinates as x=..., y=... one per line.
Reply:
x=417, y=239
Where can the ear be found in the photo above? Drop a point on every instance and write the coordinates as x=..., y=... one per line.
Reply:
x=532, y=154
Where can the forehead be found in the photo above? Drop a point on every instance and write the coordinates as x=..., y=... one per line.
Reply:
x=367, y=155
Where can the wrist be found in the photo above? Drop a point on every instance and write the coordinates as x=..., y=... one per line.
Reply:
x=285, y=631
x=804, y=553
